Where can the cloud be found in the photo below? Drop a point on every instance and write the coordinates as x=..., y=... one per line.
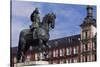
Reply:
x=23, y=8
x=67, y=22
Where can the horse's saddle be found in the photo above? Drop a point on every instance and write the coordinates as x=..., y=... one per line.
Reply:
x=39, y=33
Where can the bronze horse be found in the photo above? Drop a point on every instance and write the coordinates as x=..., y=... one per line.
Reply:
x=26, y=39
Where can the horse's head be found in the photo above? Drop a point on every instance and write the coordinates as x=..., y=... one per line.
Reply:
x=51, y=19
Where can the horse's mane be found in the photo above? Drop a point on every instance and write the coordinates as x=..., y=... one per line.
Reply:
x=45, y=18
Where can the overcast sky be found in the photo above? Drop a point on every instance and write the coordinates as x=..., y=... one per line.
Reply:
x=68, y=18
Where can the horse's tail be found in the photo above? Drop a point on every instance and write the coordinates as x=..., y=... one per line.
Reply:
x=19, y=48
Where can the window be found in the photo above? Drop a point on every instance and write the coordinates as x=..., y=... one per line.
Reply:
x=15, y=60
x=93, y=57
x=67, y=51
x=75, y=60
x=61, y=52
x=28, y=58
x=86, y=34
x=74, y=50
x=81, y=58
x=66, y=60
x=83, y=35
x=81, y=48
x=84, y=48
x=89, y=47
x=79, y=39
x=84, y=59
x=49, y=55
x=41, y=55
x=70, y=51
x=88, y=58
x=36, y=58
x=56, y=52
x=94, y=46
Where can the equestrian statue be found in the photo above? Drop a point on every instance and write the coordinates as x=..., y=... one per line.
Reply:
x=37, y=35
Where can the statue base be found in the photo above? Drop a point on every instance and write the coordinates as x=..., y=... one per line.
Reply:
x=31, y=63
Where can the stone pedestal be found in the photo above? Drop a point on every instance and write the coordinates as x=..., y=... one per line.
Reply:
x=30, y=63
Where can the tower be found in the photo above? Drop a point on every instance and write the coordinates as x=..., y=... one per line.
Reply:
x=88, y=32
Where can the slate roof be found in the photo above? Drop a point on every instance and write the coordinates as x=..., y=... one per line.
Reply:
x=57, y=43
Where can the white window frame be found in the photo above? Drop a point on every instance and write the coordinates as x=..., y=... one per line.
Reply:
x=81, y=58
x=61, y=52
x=81, y=48
x=67, y=51
x=66, y=60
x=41, y=55
x=36, y=56
x=84, y=48
x=88, y=58
x=15, y=60
x=74, y=50
x=89, y=46
x=84, y=58
x=83, y=35
x=93, y=44
x=69, y=60
x=93, y=58
x=54, y=53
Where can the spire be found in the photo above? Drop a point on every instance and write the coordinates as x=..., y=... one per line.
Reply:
x=89, y=11
x=88, y=20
